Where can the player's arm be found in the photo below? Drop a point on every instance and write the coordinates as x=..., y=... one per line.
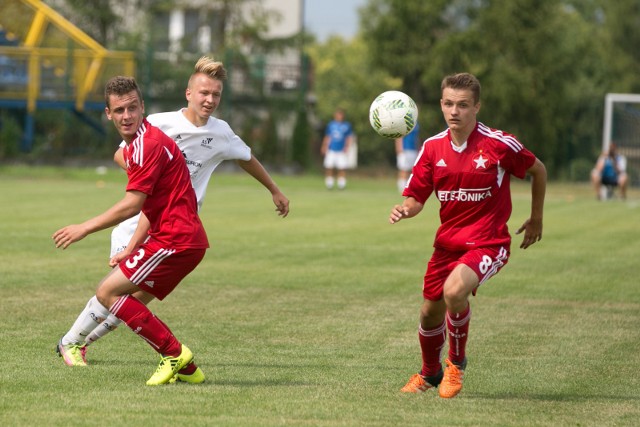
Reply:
x=254, y=168
x=347, y=142
x=129, y=206
x=532, y=227
x=118, y=157
x=325, y=145
x=408, y=209
x=139, y=236
x=600, y=164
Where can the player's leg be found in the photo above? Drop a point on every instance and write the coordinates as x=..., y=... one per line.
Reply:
x=432, y=328
x=402, y=174
x=155, y=270
x=596, y=182
x=473, y=269
x=342, y=163
x=329, y=165
x=72, y=347
x=190, y=373
x=111, y=322
x=96, y=320
x=342, y=179
x=623, y=181
x=432, y=337
x=116, y=292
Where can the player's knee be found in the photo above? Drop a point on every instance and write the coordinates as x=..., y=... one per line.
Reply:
x=455, y=294
x=104, y=297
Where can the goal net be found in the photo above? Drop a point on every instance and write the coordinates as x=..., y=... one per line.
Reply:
x=622, y=127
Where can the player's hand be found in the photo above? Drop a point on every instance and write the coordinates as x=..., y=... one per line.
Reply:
x=397, y=213
x=68, y=235
x=282, y=204
x=115, y=260
x=532, y=232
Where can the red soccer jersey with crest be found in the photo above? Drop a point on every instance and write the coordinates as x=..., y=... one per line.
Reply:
x=472, y=184
x=156, y=167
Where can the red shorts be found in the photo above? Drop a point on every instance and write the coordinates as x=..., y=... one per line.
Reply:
x=485, y=262
x=158, y=270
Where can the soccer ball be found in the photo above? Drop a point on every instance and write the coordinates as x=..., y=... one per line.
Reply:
x=393, y=114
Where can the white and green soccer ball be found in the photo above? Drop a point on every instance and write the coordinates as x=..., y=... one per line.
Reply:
x=393, y=114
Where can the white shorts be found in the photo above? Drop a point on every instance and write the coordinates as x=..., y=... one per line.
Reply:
x=336, y=160
x=406, y=159
x=122, y=233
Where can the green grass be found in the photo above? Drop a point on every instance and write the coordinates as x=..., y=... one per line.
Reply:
x=312, y=320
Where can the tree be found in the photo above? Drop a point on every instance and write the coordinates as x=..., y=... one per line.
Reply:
x=345, y=78
x=545, y=65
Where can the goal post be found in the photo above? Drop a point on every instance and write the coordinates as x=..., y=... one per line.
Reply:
x=622, y=127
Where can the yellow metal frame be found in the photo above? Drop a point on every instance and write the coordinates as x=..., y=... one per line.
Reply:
x=89, y=52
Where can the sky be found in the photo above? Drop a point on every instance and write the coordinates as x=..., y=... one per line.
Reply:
x=324, y=18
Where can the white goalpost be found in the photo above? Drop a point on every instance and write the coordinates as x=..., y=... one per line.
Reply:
x=622, y=127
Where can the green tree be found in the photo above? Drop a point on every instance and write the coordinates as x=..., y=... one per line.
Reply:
x=345, y=78
x=545, y=65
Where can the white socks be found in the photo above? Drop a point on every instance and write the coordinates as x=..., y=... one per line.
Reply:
x=110, y=324
x=93, y=315
x=329, y=181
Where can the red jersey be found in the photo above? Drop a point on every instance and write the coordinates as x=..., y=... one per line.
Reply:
x=472, y=184
x=156, y=167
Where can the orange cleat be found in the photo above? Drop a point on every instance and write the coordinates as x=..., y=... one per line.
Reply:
x=452, y=381
x=418, y=384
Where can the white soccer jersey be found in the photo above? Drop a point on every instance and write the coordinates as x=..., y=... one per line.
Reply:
x=203, y=148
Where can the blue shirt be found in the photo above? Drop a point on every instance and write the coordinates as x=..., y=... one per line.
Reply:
x=609, y=172
x=338, y=133
x=410, y=141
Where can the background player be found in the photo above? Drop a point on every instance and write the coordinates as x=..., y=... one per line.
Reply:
x=336, y=142
x=159, y=187
x=467, y=167
x=204, y=142
x=610, y=171
x=406, y=155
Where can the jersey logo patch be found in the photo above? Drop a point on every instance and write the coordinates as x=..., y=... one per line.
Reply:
x=149, y=283
x=480, y=162
x=441, y=163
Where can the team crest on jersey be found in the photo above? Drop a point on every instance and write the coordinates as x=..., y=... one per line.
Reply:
x=206, y=143
x=481, y=161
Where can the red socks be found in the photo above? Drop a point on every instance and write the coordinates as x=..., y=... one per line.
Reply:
x=431, y=343
x=458, y=326
x=144, y=323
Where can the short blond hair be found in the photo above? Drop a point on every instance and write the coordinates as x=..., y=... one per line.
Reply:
x=213, y=69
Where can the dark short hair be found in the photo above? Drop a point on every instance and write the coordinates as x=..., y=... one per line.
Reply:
x=120, y=85
x=464, y=81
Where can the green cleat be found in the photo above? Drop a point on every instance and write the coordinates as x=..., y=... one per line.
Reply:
x=169, y=367
x=196, y=378
x=72, y=354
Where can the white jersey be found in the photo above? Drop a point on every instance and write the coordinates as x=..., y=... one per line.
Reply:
x=203, y=148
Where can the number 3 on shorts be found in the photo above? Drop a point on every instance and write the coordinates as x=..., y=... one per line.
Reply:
x=133, y=260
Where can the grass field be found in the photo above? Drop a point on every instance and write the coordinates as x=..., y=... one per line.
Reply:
x=312, y=320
